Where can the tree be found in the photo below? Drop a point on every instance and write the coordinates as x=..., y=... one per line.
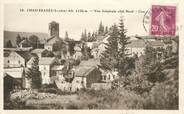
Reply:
x=93, y=37
x=66, y=35
x=84, y=36
x=101, y=29
x=106, y=30
x=18, y=40
x=34, y=41
x=89, y=37
x=109, y=59
x=86, y=51
x=47, y=53
x=9, y=44
x=123, y=42
x=150, y=58
x=33, y=73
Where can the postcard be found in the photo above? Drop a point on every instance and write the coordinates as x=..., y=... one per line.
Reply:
x=94, y=56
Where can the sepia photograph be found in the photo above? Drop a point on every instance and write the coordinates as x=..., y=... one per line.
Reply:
x=78, y=57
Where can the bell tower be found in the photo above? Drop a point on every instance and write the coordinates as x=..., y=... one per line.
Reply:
x=53, y=29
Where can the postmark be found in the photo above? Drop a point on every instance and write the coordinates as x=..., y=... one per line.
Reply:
x=163, y=20
x=147, y=21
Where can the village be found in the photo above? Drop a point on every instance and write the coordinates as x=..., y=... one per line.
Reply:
x=70, y=65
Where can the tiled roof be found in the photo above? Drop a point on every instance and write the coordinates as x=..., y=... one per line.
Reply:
x=137, y=44
x=82, y=71
x=90, y=62
x=14, y=72
x=26, y=55
x=37, y=50
x=143, y=44
x=46, y=60
x=52, y=40
x=157, y=43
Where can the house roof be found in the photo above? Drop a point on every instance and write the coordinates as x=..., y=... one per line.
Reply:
x=82, y=71
x=18, y=49
x=157, y=43
x=57, y=67
x=46, y=60
x=23, y=54
x=137, y=44
x=37, y=50
x=90, y=62
x=26, y=55
x=52, y=40
x=14, y=72
x=143, y=44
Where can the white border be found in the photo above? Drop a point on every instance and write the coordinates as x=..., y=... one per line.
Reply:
x=180, y=8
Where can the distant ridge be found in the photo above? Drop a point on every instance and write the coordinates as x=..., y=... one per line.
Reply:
x=11, y=35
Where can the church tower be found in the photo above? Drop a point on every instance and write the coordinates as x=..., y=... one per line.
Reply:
x=53, y=29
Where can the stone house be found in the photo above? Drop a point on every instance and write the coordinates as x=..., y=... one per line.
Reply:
x=54, y=42
x=16, y=58
x=138, y=46
x=45, y=67
x=11, y=83
x=51, y=42
x=84, y=76
x=16, y=74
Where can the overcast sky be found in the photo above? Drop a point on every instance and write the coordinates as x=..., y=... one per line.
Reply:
x=75, y=23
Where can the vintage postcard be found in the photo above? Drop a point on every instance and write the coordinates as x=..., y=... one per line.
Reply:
x=95, y=56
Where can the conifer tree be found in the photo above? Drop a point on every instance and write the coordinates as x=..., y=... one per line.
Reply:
x=123, y=42
x=106, y=30
x=84, y=36
x=101, y=29
x=110, y=56
x=9, y=44
x=66, y=35
x=32, y=73
x=18, y=40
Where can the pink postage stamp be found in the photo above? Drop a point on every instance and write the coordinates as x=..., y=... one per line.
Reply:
x=163, y=20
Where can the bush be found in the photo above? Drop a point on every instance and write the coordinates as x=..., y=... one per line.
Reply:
x=163, y=96
x=48, y=90
x=109, y=99
x=14, y=104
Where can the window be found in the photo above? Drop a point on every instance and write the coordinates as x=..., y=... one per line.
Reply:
x=77, y=81
x=109, y=76
x=19, y=61
x=104, y=77
x=8, y=61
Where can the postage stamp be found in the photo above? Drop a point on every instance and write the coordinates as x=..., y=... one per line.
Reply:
x=163, y=20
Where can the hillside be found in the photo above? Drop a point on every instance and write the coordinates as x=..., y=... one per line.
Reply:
x=11, y=35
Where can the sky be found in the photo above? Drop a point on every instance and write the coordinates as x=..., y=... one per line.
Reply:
x=75, y=22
